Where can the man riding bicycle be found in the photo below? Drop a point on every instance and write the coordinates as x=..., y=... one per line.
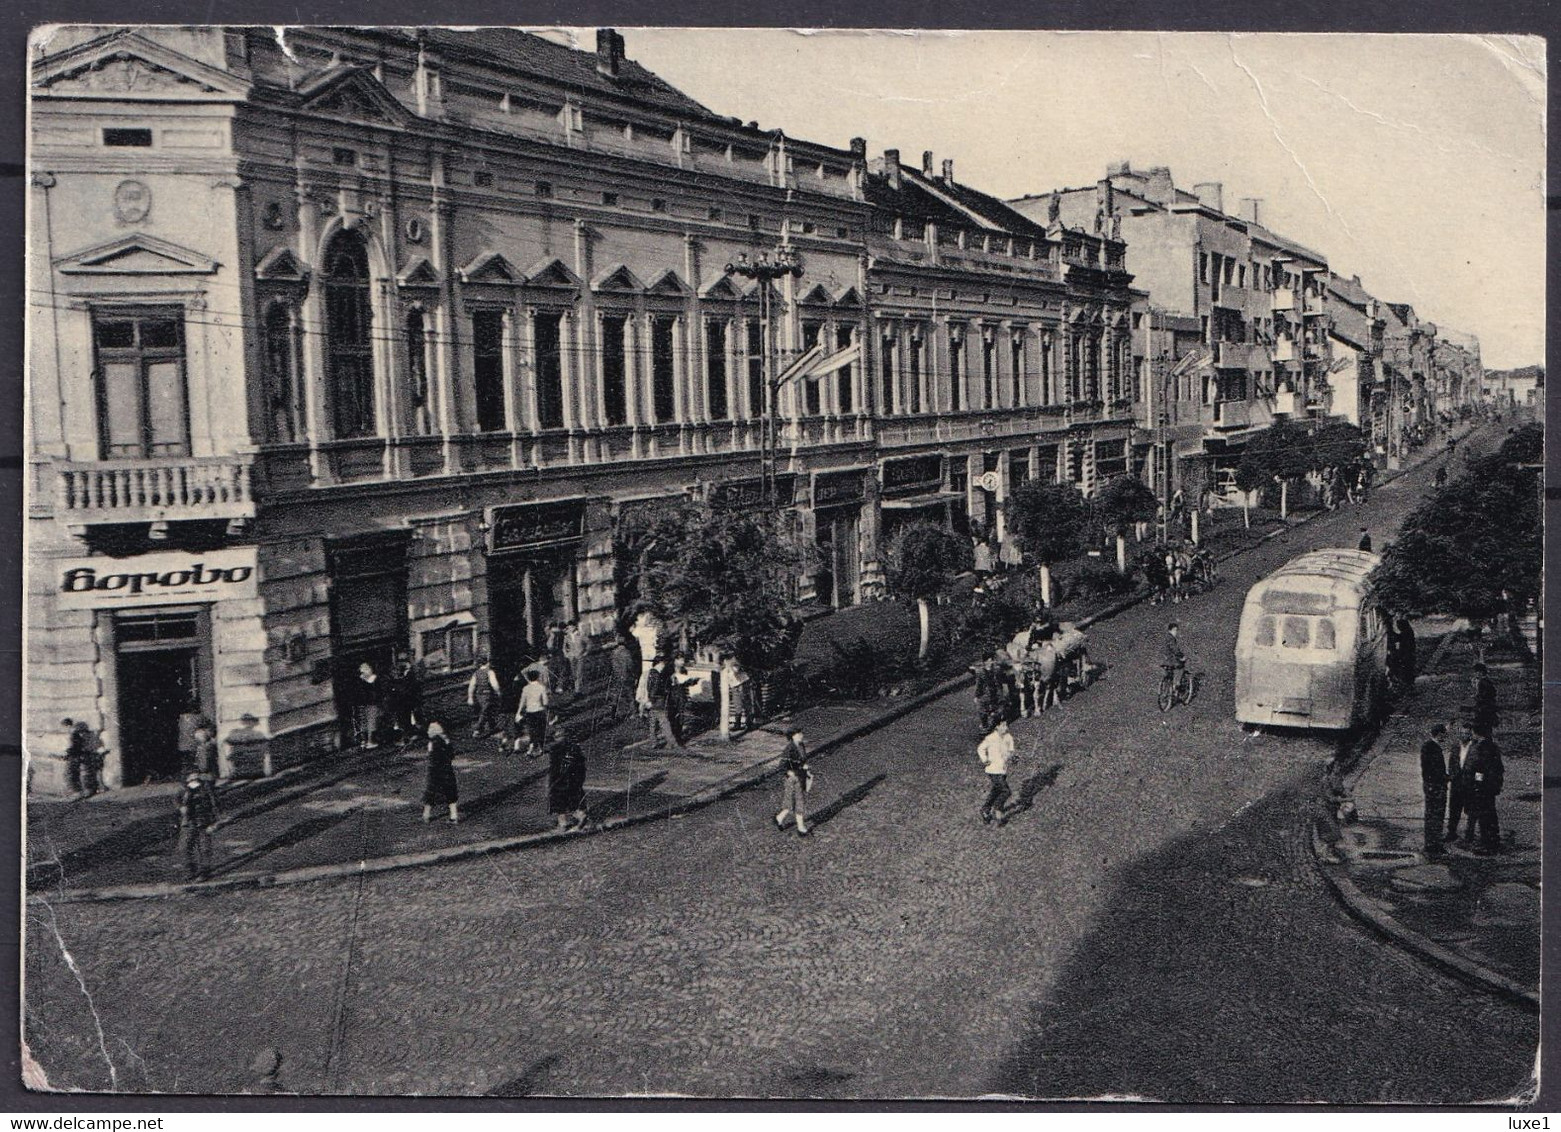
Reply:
x=1175, y=655
x=1176, y=683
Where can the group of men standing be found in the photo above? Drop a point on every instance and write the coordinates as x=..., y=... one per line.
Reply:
x=1462, y=777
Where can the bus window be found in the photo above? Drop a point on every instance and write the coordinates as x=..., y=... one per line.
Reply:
x=1324, y=638
x=1297, y=633
x=1265, y=632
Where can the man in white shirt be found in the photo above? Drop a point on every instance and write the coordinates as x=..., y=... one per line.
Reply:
x=532, y=712
x=996, y=752
x=1458, y=800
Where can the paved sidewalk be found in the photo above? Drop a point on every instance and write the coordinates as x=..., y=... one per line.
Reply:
x=1478, y=916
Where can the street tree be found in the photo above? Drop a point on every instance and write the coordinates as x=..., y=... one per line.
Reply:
x=1283, y=452
x=920, y=562
x=1125, y=501
x=1472, y=550
x=1049, y=520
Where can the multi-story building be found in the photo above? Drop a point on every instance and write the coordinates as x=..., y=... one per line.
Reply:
x=360, y=342
x=1001, y=348
x=1455, y=357
x=1256, y=298
x=364, y=341
x=1358, y=391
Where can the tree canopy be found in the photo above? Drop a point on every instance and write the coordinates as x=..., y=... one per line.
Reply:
x=1126, y=500
x=726, y=577
x=1284, y=449
x=922, y=559
x=1049, y=520
x=1478, y=536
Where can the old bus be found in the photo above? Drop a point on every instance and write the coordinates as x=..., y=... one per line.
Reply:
x=1312, y=648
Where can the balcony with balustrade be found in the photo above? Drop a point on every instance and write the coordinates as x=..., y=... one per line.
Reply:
x=159, y=489
x=906, y=430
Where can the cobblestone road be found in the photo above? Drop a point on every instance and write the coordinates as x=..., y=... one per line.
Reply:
x=1149, y=926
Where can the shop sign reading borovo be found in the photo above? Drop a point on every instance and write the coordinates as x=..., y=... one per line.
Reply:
x=169, y=578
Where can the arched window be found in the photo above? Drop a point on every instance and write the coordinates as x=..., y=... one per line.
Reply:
x=349, y=352
x=282, y=423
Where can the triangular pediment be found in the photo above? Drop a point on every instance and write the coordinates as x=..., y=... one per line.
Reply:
x=722, y=288
x=619, y=279
x=850, y=297
x=668, y=283
x=125, y=64
x=418, y=273
x=817, y=295
x=137, y=254
x=551, y=273
x=491, y=267
x=280, y=265
x=352, y=93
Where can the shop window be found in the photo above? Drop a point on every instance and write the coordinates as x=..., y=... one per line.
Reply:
x=715, y=368
x=662, y=379
x=142, y=399
x=615, y=401
x=547, y=340
x=349, y=359
x=449, y=648
x=488, y=369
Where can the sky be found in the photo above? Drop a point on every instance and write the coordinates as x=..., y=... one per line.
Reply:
x=1416, y=162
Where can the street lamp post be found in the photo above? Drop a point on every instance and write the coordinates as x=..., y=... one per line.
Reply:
x=766, y=271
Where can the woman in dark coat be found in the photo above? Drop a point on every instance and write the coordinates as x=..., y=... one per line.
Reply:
x=566, y=781
x=440, y=788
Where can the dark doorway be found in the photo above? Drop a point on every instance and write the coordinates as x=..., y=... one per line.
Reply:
x=155, y=687
x=525, y=595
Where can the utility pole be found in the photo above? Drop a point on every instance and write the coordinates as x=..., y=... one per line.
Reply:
x=766, y=271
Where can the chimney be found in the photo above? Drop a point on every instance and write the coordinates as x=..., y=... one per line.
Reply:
x=609, y=51
x=926, y=163
x=1211, y=193
x=891, y=167
x=1158, y=186
x=1119, y=168
x=859, y=149
x=1252, y=209
x=948, y=170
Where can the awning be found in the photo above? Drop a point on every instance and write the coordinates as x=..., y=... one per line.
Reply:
x=931, y=499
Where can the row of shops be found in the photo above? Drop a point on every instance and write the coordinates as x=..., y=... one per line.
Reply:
x=274, y=626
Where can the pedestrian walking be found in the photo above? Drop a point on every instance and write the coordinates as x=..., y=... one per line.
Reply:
x=1459, y=801
x=575, y=649
x=1433, y=783
x=404, y=693
x=1485, y=714
x=81, y=758
x=191, y=720
x=197, y=814
x=566, y=779
x=996, y=751
x=531, y=713
x=658, y=693
x=1486, y=772
x=796, y=781
x=369, y=702
x=624, y=678
x=1365, y=540
x=440, y=787
x=679, y=681
x=735, y=682
x=484, y=692
x=1403, y=661
x=203, y=759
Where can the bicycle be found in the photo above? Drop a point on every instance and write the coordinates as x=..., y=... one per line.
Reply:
x=1178, y=684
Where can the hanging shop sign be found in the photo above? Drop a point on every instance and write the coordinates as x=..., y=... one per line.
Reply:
x=831, y=489
x=534, y=526
x=168, y=578
x=740, y=495
x=913, y=475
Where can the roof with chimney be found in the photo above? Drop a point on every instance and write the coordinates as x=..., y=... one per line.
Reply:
x=943, y=202
x=511, y=49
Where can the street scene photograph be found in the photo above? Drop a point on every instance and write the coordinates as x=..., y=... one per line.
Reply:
x=765, y=564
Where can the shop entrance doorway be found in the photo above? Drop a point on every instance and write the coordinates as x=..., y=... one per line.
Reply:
x=162, y=670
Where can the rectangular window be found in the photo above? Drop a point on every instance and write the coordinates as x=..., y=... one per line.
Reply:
x=488, y=369
x=344, y=157
x=1265, y=633
x=989, y=371
x=142, y=401
x=813, y=399
x=755, y=361
x=609, y=199
x=886, y=374
x=1325, y=634
x=548, y=340
x=844, y=387
x=127, y=136
x=1297, y=633
x=715, y=368
x=956, y=370
x=615, y=401
x=915, y=376
x=1016, y=361
x=1203, y=267
x=545, y=189
x=662, y=391
x=482, y=178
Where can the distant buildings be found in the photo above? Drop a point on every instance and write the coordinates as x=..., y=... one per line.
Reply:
x=363, y=344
